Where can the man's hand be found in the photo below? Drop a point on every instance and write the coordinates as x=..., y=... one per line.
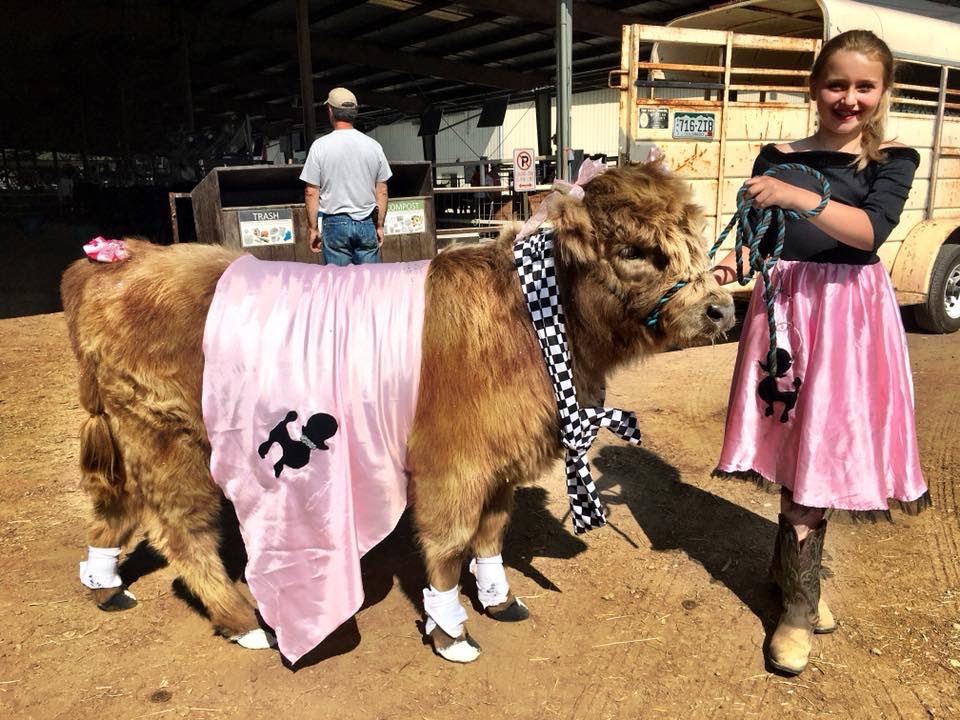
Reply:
x=311, y=206
x=380, y=214
x=316, y=243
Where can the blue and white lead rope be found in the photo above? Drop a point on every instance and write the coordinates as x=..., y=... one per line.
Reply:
x=578, y=426
x=752, y=224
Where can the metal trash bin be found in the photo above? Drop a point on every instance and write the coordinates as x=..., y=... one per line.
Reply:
x=410, y=229
x=256, y=208
x=260, y=209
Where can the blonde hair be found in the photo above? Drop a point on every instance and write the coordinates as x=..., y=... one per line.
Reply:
x=868, y=44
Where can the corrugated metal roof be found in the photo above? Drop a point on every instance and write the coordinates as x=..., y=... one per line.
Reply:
x=117, y=81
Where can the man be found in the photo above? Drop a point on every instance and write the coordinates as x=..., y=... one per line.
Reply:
x=346, y=177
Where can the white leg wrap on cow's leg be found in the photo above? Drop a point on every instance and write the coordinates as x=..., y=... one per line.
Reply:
x=444, y=610
x=492, y=585
x=99, y=570
x=258, y=639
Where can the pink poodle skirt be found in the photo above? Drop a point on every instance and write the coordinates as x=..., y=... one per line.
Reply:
x=850, y=441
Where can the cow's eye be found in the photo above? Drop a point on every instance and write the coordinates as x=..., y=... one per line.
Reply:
x=631, y=252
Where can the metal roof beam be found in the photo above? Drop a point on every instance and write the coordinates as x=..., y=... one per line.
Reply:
x=358, y=52
x=279, y=90
x=361, y=53
x=403, y=15
x=586, y=17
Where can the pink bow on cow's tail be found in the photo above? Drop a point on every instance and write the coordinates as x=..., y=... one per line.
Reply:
x=106, y=250
x=589, y=169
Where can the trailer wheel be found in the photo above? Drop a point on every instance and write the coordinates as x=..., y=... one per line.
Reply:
x=941, y=312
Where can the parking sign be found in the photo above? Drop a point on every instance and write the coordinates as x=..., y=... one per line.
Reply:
x=524, y=170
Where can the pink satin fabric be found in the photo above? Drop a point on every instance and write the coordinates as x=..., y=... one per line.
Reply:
x=851, y=441
x=345, y=341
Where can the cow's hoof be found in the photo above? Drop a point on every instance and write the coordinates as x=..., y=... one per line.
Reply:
x=258, y=639
x=511, y=610
x=114, y=599
x=463, y=649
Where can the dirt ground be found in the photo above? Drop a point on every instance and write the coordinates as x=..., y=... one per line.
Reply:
x=662, y=614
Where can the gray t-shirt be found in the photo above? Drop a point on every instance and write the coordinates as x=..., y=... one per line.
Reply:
x=346, y=165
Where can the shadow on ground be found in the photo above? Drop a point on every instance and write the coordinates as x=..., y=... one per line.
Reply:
x=534, y=532
x=732, y=544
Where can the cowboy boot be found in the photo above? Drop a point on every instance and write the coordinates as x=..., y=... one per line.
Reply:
x=826, y=623
x=800, y=586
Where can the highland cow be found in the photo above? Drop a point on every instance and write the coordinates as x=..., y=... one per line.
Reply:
x=485, y=421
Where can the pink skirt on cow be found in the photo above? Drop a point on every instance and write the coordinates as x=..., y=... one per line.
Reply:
x=310, y=384
x=850, y=442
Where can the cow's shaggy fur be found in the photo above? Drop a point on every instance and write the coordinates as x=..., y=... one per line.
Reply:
x=486, y=419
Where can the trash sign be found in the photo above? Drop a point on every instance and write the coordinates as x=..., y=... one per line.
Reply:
x=266, y=226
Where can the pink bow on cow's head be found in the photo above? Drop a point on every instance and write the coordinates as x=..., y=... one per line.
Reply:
x=589, y=169
x=103, y=250
x=656, y=156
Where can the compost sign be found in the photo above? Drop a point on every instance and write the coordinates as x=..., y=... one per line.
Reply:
x=404, y=217
x=266, y=226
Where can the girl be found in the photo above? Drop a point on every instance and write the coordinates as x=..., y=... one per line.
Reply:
x=834, y=425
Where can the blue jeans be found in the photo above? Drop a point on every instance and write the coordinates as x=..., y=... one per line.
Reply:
x=346, y=241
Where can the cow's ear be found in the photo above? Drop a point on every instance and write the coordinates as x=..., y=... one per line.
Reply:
x=576, y=239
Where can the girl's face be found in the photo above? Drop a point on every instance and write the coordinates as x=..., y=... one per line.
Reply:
x=848, y=92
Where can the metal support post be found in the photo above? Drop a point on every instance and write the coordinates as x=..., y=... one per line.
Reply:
x=306, y=72
x=564, y=38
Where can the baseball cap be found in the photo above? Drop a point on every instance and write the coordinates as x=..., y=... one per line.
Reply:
x=341, y=98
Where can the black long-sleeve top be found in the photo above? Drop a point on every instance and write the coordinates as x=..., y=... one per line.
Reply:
x=880, y=190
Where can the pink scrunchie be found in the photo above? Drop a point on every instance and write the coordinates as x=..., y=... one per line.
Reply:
x=103, y=250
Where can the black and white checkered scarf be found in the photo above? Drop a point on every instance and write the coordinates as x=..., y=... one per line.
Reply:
x=578, y=426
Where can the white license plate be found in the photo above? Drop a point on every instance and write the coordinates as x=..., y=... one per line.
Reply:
x=693, y=125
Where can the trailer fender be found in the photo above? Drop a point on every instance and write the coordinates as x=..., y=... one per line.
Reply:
x=913, y=265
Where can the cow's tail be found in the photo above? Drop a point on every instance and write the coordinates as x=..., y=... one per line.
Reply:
x=101, y=462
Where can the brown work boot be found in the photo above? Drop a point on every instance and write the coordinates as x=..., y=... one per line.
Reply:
x=799, y=581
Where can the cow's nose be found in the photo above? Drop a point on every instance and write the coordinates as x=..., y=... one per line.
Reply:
x=722, y=315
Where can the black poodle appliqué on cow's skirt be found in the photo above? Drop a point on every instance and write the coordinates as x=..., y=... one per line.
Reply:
x=296, y=453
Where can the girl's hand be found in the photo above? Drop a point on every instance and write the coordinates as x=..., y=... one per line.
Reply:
x=767, y=191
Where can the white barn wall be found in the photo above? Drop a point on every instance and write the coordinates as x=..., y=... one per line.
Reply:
x=399, y=140
x=465, y=141
x=594, y=120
